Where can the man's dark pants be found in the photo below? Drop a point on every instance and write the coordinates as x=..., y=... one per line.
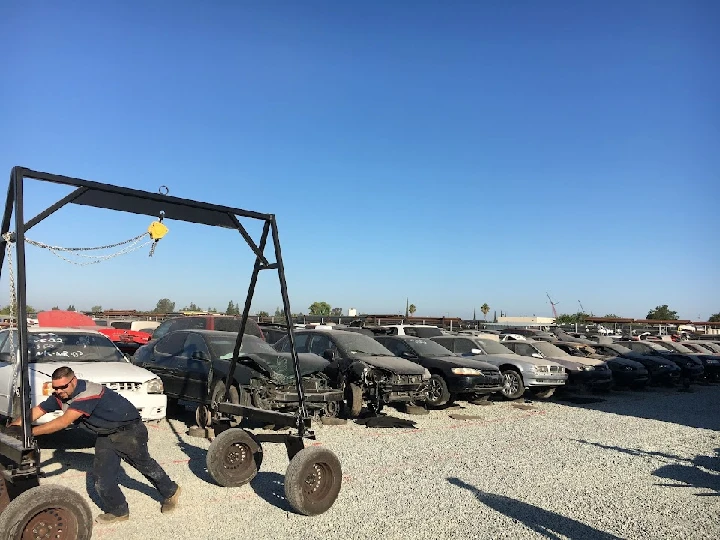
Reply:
x=130, y=444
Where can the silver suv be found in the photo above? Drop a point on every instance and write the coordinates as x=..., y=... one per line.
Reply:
x=541, y=376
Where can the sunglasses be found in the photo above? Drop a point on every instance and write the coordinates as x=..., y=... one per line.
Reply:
x=63, y=387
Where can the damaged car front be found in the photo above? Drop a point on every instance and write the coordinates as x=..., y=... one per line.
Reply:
x=367, y=372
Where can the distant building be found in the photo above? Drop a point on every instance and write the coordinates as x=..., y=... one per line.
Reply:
x=352, y=312
x=520, y=321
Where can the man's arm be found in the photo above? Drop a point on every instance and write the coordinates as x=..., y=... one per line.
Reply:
x=60, y=423
x=35, y=413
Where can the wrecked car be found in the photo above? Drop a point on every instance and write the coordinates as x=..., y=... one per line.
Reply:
x=194, y=365
x=366, y=371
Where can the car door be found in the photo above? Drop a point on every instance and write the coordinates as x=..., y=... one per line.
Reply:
x=193, y=368
x=7, y=374
x=163, y=361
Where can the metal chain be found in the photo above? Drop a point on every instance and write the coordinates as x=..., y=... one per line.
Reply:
x=55, y=250
x=13, y=302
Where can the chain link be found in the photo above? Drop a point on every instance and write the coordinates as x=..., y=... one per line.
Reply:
x=13, y=302
x=133, y=244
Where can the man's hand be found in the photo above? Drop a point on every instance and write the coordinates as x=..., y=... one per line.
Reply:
x=70, y=416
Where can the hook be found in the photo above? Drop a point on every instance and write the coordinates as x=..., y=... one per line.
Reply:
x=162, y=215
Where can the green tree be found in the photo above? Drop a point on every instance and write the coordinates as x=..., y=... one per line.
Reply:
x=485, y=310
x=412, y=309
x=319, y=308
x=279, y=312
x=6, y=310
x=191, y=307
x=336, y=312
x=565, y=318
x=54, y=308
x=714, y=318
x=71, y=307
x=612, y=316
x=662, y=313
x=263, y=314
x=96, y=309
x=230, y=308
x=164, y=305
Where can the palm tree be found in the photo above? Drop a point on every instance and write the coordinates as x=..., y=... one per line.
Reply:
x=485, y=309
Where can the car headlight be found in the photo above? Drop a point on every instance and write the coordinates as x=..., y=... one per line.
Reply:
x=587, y=368
x=466, y=371
x=663, y=366
x=628, y=368
x=540, y=369
x=154, y=386
x=712, y=361
x=426, y=375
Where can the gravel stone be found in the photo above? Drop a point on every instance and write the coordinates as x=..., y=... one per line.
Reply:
x=636, y=465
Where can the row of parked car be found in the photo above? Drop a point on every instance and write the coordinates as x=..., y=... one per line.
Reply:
x=346, y=369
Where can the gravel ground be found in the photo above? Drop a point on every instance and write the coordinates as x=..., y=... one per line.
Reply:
x=636, y=465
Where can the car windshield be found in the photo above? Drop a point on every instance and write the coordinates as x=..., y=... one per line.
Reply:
x=711, y=347
x=493, y=347
x=675, y=347
x=57, y=346
x=548, y=349
x=355, y=343
x=425, y=347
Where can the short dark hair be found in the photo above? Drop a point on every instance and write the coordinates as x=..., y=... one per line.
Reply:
x=62, y=372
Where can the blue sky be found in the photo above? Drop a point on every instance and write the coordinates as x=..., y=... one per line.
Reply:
x=449, y=153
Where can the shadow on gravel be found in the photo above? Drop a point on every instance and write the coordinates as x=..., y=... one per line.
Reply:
x=270, y=486
x=197, y=457
x=549, y=524
x=696, y=408
x=688, y=471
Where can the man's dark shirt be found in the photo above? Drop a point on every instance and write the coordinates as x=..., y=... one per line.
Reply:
x=103, y=410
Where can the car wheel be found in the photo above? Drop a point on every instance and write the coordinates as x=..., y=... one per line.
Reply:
x=353, y=399
x=47, y=511
x=313, y=480
x=234, y=458
x=513, y=386
x=437, y=392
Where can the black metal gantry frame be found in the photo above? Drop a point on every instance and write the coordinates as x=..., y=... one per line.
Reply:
x=89, y=193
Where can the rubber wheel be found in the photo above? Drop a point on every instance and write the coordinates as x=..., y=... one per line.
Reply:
x=353, y=399
x=313, y=480
x=513, y=386
x=545, y=393
x=437, y=393
x=204, y=416
x=47, y=511
x=234, y=458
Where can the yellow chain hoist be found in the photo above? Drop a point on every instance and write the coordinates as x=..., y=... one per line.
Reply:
x=157, y=231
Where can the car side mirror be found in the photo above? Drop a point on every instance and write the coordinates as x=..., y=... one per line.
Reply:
x=408, y=354
x=476, y=351
x=329, y=355
x=198, y=355
x=536, y=355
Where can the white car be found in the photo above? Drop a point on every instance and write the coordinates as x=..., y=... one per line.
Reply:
x=91, y=355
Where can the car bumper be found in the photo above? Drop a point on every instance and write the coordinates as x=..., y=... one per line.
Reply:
x=630, y=378
x=544, y=379
x=600, y=380
x=665, y=376
x=475, y=384
x=692, y=372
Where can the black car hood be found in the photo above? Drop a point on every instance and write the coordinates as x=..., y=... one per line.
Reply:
x=464, y=361
x=279, y=367
x=620, y=361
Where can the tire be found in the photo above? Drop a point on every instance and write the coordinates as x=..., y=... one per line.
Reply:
x=353, y=399
x=234, y=458
x=437, y=393
x=47, y=511
x=543, y=393
x=204, y=416
x=513, y=387
x=313, y=480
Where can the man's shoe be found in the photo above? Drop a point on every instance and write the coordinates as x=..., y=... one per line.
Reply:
x=111, y=518
x=170, y=504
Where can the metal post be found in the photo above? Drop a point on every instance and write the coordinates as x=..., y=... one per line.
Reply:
x=291, y=332
x=21, y=296
x=246, y=309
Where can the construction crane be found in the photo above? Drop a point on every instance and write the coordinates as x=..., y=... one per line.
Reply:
x=582, y=309
x=553, y=304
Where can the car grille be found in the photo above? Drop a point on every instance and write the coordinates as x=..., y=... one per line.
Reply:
x=124, y=386
x=557, y=369
x=407, y=379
